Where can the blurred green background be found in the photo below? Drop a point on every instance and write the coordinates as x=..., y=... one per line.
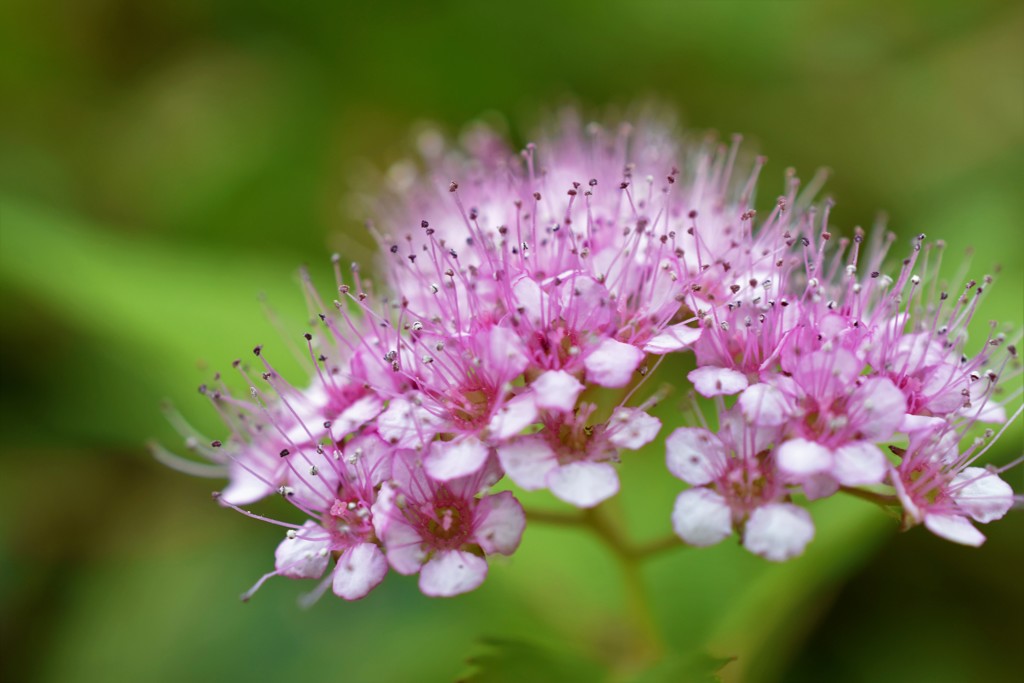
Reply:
x=162, y=163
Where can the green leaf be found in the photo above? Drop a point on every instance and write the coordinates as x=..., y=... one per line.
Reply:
x=690, y=668
x=515, y=661
x=149, y=319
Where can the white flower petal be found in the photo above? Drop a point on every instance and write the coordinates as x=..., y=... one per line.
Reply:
x=982, y=494
x=500, y=521
x=406, y=425
x=710, y=381
x=451, y=572
x=527, y=461
x=802, y=458
x=921, y=423
x=881, y=410
x=817, y=486
x=360, y=568
x=694, y=455
x=954, y=528
x=584, y=484
x=632, y=428
x=987, y=411
x=452, y=459
x=556, y=390
x=778, y=531
x=859, y=463
x=764, y=405
x=673, y=338
x=513, y=417
x=612, y=363
x=305, y=554
x=356, y=415
x=249, y=484
x=701, y=517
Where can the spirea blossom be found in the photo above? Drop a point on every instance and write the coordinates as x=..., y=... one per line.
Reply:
x=528, y=297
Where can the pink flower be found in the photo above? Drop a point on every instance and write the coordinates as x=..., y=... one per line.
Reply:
x=735, y=486
x=277, y=433
x=445, y=530
x=572, y=457
x=835, y=419
x=938, y=486
x=741, y=340
x=342, y=525
x=464, y=400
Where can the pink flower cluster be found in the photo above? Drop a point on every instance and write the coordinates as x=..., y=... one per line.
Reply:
x=529, y=298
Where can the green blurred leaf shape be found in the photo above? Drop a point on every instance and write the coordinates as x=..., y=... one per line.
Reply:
x=514, y=661
x=504, y=660
x=685, y=668
x=156, y=309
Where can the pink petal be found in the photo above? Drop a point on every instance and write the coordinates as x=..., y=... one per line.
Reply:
x=530, y=299
x=764, y=405
x=452, y=459
x=802, y=458
x=513, y=417
x=710, y=381
x=694, y=455
x=941, y=387
x=672, y=338
x=988, y=411
x=368, y=458
x=500, y=521
x=356, y=415
x=556, y=390
x=478, y=482
x=701, y=517
x=406, y=425
x=451, y=572
x=612, y=363
x=584, y=484
x=778, y=531
x=982, y=494
x=315, y=491
x=817, y=486
x=859, y=463
x=527, y=461
x=632, y=428
x=825, y=373
x=910, y=509
x=304, y=555
x=919, y=423
x=247, y=486
x=402, y=543
x=881, y=410
x=954, y=528
x=360, y=568
x=506, y=355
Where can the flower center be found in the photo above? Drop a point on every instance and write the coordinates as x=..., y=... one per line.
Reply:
x=349, y=520
x=448, y=523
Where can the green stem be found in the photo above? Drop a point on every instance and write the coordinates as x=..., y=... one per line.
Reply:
x=604, y=523
x=871, y=496
x=610, y=534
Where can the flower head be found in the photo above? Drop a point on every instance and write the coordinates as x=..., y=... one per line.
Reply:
x=528, y=299
x=736, y=486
